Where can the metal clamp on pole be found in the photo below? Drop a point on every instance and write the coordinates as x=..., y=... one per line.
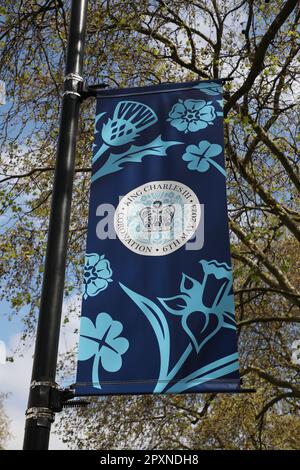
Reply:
x=43, y=416
x=73, y=85
x=46, y=401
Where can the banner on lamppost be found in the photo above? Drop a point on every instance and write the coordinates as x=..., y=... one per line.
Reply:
x=158, y=306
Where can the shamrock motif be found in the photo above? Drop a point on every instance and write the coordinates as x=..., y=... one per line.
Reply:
x=103, y=342
x=97, y=274
x=200, y=157
x=191, y=115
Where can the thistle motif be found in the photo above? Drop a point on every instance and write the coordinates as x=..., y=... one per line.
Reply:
x=129, y=119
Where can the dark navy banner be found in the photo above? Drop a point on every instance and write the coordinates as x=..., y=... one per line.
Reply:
x=158, y=307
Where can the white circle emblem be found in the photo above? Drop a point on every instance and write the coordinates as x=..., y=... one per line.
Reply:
x=157, y=218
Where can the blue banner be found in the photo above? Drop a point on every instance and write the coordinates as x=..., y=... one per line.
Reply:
x=158, y=306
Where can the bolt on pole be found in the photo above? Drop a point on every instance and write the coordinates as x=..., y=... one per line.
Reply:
x=42, y=402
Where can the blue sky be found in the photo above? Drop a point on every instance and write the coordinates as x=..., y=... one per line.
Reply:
x=8, y=327
x=15, y=376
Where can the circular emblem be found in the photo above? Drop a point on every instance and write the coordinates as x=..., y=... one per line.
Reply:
x=157, y=218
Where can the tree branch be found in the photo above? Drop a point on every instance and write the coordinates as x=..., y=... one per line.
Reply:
x=41, y=170
x=259, y=57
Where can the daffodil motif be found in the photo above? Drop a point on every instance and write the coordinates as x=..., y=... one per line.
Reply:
x=203, y=307
x=103, y=342
x=97, y=274
x=200, y=320
x=192, y=115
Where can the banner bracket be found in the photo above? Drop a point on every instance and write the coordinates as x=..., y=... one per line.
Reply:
x=50, y=399
x=238, y=391
x=91, y=90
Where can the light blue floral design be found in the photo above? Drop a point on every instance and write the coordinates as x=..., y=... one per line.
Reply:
x=97, y=274
x=214, y=370
x=192, y=115
x=135, y=153
x=210, y=88
x=129, y=118
x=191, y=301
x=200, y=157
x=103, y=342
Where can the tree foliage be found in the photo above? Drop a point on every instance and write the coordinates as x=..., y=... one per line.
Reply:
x=3, y=425
x=256, y=44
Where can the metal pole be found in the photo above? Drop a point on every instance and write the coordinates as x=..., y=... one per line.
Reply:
x=43, y=394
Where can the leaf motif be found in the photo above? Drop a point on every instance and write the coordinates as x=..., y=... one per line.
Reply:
x=202, y=166
x=152, y=312
x=213, y=151
x=87, y=346
x=98, y=117
x=175, y=304
x=212, y=371
x=134, y=154
x=159, y=324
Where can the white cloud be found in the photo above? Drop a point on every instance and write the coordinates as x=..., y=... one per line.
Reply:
x=15, y=379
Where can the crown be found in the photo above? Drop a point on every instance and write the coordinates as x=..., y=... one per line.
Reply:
x=158, y=217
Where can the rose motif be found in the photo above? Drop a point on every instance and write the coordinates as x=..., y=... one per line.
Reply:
x=191, y=115
x=97, y=274
x=200, y=157
x=103, y=342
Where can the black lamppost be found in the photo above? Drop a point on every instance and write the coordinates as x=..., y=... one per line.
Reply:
x=44, y=396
